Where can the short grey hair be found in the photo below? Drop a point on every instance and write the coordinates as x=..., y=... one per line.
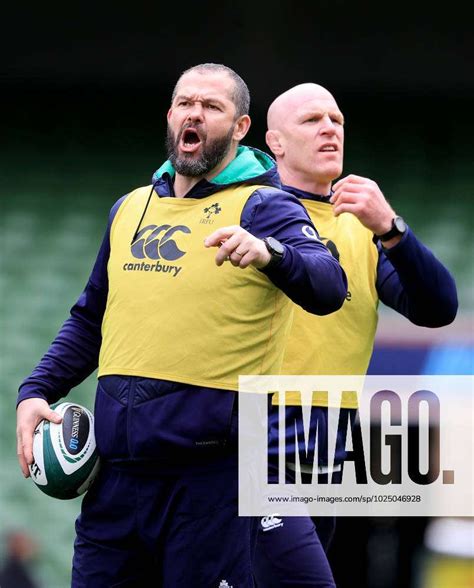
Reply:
x=240, y=96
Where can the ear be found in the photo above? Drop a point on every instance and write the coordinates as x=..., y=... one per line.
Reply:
x=168, y=116
x=241, y=127
x=274, y=141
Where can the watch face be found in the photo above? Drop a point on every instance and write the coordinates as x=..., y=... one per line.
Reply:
x=276, y=246
x=399, y=224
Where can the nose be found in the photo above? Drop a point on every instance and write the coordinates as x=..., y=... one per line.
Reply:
x=328, y=127
x=195, y=113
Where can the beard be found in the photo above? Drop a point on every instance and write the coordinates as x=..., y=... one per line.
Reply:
x=212, y=153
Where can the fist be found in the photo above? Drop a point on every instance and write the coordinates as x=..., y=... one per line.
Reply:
x=239, y=247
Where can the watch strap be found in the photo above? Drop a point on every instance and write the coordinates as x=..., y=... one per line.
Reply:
x=393, y=232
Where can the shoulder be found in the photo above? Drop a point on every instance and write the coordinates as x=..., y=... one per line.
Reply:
x=274, y=200
x=272, y=205
x=272, y=196
x=138, y=195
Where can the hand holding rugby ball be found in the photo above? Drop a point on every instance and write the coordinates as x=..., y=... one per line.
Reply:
x=65, y=455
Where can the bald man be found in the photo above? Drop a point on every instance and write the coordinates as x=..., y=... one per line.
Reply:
x=383, y=260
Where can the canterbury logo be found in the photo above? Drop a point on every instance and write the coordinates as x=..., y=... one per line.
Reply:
x=157, y=242
x=269, y=523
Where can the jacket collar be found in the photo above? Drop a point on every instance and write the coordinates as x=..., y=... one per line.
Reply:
x=302, y=194
x=250, y=166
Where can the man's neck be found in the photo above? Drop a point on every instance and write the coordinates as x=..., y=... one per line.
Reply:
x=182, y=184
x=307, y=184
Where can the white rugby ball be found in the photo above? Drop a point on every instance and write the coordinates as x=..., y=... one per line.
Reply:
x=65, y=455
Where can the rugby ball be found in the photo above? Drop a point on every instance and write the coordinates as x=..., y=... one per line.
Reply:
x=65, y=455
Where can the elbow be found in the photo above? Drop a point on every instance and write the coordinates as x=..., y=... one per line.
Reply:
x=330, y=299
x=448, y=314
x=441, y=316
x=332, y=304
x=447, y=306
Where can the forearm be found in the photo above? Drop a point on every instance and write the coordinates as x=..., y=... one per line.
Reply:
x=314, y=280
x=412, y=281
x=308, y=274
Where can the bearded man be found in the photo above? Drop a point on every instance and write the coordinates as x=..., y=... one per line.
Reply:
x=171, y=326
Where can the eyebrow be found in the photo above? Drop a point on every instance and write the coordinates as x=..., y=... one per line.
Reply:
x=317, y=112
x=204, y=99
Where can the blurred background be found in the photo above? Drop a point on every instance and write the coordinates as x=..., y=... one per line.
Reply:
x=85, y=89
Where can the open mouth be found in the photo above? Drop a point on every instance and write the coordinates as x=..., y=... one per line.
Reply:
x=328, y=148
x=190, y=140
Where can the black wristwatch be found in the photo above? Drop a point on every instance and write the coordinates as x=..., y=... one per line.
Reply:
x=276, y=250
x=399, y=227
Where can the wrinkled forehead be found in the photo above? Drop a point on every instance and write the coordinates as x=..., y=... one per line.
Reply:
x=206, y=85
